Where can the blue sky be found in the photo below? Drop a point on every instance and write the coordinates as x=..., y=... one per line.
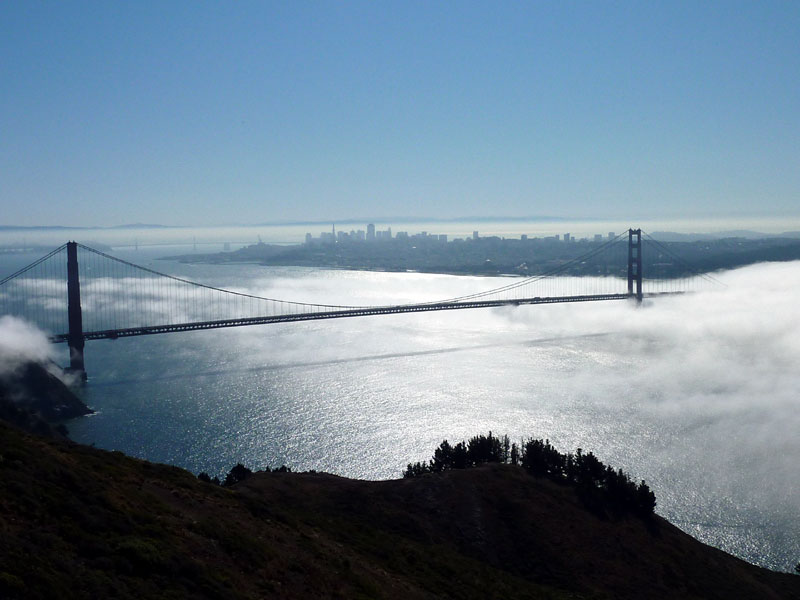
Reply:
x=223, y=113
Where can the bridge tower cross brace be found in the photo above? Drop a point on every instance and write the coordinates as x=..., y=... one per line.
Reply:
x=74, y=316
x=635, y=263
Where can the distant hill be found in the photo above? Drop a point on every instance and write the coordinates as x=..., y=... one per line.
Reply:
x=671, y=236
x=60, y=227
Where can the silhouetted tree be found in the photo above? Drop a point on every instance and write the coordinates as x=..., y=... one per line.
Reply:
x=237, y=474
x=442, y=457
x=514, y=454
x=416, y=469
x=601, y=488
x=460, y=456
x=645, y=499
x=541, y=459
x=484, y=449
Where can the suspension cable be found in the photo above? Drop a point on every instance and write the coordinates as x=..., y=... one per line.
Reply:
x=33, y=264
x=209, y=287
x=684, y=263
x=535, y=278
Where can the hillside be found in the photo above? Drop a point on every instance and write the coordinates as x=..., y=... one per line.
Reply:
x=34, y=399
x=78, y=522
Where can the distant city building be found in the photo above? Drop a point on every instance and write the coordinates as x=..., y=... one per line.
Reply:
x=425, y=238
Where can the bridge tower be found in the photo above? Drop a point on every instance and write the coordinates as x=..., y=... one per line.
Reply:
x=75, y=318
x=635, y=263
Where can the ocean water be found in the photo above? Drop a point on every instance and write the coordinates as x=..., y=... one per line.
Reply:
x=697, y=394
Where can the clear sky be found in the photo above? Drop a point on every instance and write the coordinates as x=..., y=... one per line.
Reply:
x=207, y=113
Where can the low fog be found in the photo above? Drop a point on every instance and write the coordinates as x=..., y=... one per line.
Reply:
x=22, y=342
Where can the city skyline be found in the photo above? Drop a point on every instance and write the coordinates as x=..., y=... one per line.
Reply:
x=372, y=234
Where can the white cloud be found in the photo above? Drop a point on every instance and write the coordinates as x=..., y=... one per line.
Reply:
x=21, y=342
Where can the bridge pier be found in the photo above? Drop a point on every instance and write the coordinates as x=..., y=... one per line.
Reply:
x=75, y=317
x=635, y=263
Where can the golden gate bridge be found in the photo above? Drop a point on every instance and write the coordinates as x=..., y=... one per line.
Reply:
x=76, y=293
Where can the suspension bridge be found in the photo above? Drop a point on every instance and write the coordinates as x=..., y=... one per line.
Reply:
x=76, y=293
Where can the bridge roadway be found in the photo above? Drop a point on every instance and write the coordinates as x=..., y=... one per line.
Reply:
x=338, y=314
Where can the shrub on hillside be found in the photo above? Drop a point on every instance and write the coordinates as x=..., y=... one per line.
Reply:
x=239, y=473
x=600, y=487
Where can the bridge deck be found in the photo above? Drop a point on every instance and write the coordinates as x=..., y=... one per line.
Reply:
x=338, y=314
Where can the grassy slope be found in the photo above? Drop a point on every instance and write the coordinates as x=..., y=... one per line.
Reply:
x=76, y=522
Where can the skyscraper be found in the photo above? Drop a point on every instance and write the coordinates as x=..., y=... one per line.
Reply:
x=371, y=232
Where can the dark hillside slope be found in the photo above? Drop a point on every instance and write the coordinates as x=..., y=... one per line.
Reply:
x=515, y=524
x=76, y=522
x=33, y=398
